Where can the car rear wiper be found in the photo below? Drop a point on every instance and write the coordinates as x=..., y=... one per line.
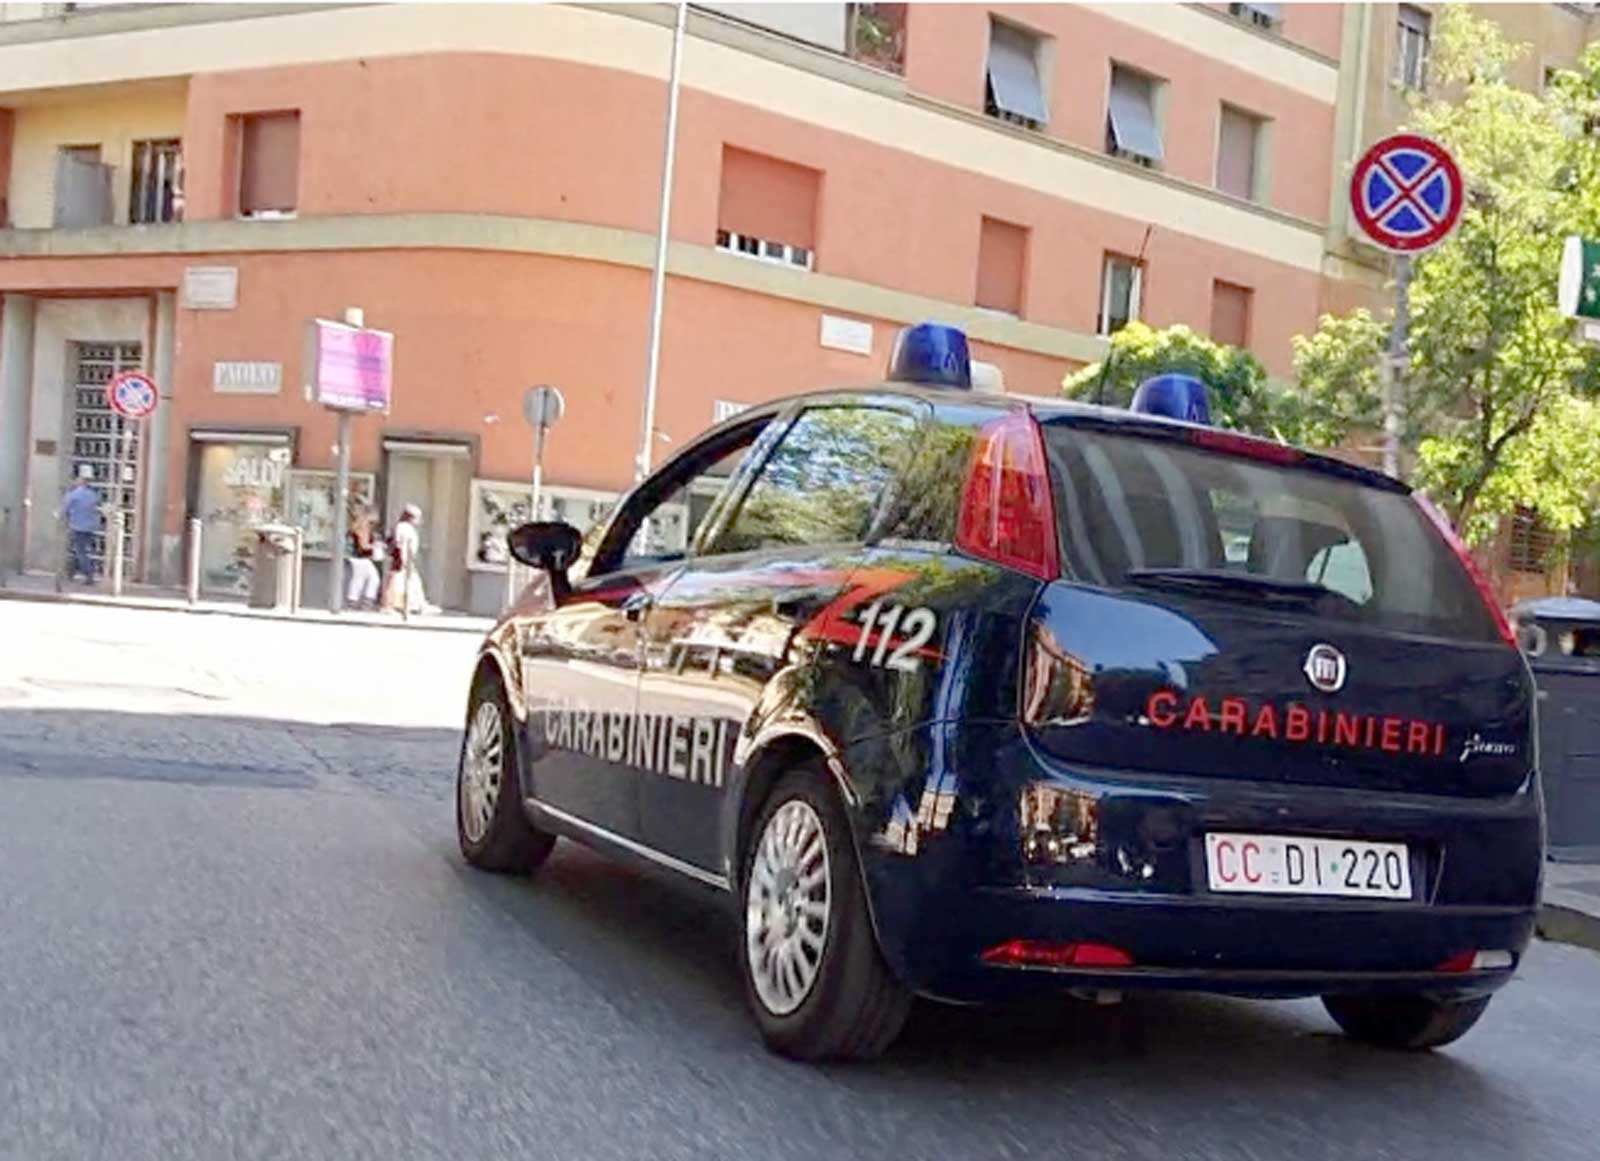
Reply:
x=1221, y=581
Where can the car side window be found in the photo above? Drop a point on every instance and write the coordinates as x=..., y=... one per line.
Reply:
x=658, y=522
x=824, y=481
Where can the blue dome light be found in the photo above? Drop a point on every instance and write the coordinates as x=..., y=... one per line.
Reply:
x=931, y=354
x=1174, y=396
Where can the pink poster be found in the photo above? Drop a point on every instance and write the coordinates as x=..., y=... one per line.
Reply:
x=354, y=367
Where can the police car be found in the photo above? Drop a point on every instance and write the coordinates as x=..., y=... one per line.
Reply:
x=961, y=695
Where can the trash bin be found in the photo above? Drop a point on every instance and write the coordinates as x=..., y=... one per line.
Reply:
x=1561, y=638
x=272, y=580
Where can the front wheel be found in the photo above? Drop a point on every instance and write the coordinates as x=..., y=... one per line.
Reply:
x=1412, y=1023
x=491, y=825
x=813, y=974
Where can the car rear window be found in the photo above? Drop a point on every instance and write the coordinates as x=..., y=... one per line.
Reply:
x=1130, y=506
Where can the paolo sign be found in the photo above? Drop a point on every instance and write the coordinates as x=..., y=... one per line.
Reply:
x=349, y=368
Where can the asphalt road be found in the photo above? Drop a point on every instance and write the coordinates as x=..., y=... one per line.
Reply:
x=234, y=924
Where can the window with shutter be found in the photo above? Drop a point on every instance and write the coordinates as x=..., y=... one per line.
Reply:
x=1230, y=313
x=1015, y=88
x=1002, y=260
x=269, y=164
x=1237, y=143
x=1131, y=128
x=767, y=208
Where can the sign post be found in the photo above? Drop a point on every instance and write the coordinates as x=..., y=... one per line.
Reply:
x=542, y=407
x=1406, y=195
x=350, y=371
x=133, y=396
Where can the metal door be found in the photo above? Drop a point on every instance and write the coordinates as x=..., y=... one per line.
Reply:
x=101, y=437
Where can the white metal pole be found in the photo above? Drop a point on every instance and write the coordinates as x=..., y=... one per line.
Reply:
x=1395, y=358
x=658, y=279
x=356, y=317
x=194, y=560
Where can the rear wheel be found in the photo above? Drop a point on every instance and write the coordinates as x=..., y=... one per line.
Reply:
x=491, y=824
x=813, y=974
x=1413, y=1023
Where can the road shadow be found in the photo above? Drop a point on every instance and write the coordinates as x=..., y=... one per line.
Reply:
x=224, y=750
x=1160, y=1064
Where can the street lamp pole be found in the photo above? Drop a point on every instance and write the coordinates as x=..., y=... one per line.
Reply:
x=658, y=279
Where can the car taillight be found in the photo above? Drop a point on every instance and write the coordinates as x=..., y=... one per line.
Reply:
x=1479, y=581
x=1007, y=513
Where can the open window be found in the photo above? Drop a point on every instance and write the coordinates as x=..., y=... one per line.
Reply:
x=1133, y=126
x=659, y=522
x=1015, y=84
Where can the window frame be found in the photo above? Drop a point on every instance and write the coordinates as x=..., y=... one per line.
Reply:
x=1153, y=86
x=1411, y=21
x=1249, y=311
x=661, y=485
x=239, y=129
x=1258, y=144
x=1135, y=292
x=917, y=411
x=1033, y=41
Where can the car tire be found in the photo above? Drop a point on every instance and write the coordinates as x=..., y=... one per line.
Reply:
x=1410, y=1023
x=838, y=999
x=491, y=824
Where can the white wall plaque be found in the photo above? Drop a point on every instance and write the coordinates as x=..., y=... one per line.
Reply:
x=846, y=334
x=243, y=378
x=210, y=287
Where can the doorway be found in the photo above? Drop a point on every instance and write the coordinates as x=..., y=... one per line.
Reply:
x=436, y=477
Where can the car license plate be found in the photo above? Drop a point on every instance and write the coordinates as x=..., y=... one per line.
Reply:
x=1279, y=865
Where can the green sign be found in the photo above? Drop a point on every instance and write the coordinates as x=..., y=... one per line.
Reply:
x=1578, y=291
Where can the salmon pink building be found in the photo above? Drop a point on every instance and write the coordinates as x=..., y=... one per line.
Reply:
x=184, y=188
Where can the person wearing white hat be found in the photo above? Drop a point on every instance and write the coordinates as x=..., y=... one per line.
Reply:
x=80, y=509
x=405, y=582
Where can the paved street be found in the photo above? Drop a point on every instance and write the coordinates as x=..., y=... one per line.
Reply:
x=234, y=925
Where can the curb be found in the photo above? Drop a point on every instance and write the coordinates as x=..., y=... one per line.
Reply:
x=1563, y=923
x=159, y=605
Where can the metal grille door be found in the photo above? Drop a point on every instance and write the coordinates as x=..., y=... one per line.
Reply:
x=100, y=436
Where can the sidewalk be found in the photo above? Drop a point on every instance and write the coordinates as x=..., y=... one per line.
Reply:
x=42, y=587
x=1571, y=910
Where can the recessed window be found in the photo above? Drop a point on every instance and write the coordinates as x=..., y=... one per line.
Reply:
x=1240, y=138
x=1413, y=32
x=1133, y=131
x=1230, y=313
x=1015, y=85
x=156, y=194
x=1121, y=282
x=767, y=209
x=269, y=164
x=1002, y=261
x=1258, y=13
x=82, y=189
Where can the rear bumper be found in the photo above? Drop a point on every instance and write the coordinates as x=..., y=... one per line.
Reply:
x=1140, y=885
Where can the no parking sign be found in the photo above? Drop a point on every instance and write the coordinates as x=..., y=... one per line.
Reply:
x=1406, y=193
x=132, y=395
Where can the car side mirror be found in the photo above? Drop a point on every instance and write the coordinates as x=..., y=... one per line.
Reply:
x=549, y=545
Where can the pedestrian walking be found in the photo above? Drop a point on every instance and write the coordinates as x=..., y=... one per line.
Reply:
x=363, y=552
x=404, y=587
x=80, y=510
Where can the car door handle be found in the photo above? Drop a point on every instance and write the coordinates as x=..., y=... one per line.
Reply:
x=634, y=607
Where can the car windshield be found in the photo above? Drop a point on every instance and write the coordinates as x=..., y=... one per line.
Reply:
x=1155, y=513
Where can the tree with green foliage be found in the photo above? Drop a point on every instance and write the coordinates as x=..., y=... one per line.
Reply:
x=1240, y=395
x=1498, y=386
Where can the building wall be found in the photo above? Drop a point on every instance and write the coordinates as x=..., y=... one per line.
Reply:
x=947, y=48
x=450, y=184
x=113, y=121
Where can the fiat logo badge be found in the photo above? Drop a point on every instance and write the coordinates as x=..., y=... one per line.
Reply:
x=1325, y=668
